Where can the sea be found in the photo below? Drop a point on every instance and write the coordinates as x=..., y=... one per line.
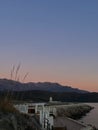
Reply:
x=92, y=116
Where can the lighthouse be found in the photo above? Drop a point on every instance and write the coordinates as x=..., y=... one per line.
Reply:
x=50, y=99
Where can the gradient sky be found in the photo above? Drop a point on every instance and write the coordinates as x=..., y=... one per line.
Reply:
x=55, y=40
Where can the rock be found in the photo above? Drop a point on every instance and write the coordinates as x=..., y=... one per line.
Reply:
x=5, y=124
x=15, y=121
x=75, y=111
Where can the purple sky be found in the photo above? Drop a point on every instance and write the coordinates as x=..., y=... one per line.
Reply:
x=55, y=40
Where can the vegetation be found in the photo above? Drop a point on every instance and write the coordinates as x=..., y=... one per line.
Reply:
x=38, y=96
x=11, y=119
x=6, y=106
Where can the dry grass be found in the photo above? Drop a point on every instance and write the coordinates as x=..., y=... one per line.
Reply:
x=6, y=106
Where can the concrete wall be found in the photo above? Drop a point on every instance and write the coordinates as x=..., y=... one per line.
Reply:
x=22, y=108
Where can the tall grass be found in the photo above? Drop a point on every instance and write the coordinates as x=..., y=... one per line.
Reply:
x=6, y=106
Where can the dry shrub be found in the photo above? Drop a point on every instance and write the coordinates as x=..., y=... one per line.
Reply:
x=6, y=106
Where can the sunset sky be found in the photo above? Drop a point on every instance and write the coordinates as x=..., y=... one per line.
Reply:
x=54, y=40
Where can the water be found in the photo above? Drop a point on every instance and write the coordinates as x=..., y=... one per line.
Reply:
x=92, y=116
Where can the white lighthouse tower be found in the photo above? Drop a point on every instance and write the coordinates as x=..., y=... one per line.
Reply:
x=50, y=99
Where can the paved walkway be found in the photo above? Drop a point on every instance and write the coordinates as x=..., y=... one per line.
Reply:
x=68, y=123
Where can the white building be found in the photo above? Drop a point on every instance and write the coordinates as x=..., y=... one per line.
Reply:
x=41, y=110
x=46, y=113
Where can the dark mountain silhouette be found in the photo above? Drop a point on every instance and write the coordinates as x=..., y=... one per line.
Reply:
x=39, y=92
x=12, y=85
x=43, y=96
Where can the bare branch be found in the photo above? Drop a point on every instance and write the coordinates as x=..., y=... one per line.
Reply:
x=25, y=77
x=12, y=71
x=17, y=70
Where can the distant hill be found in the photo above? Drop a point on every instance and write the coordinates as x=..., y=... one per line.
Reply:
x=12, y=85
x=39, y=92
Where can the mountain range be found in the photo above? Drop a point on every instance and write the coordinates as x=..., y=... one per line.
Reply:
x=42, y=91
x=11, y=85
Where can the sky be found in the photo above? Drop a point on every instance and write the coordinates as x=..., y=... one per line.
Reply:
x=53, y=40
